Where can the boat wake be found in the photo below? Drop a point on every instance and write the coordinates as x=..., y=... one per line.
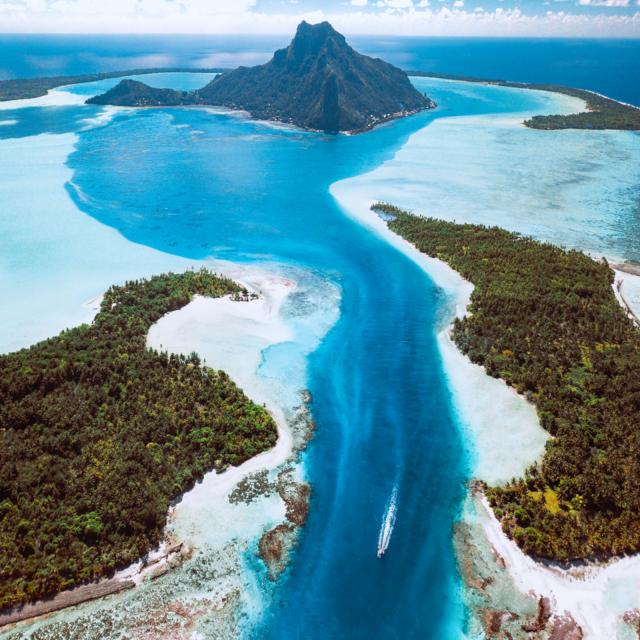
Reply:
x=388, y=522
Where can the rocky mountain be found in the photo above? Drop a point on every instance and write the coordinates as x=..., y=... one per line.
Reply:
x=318, y=82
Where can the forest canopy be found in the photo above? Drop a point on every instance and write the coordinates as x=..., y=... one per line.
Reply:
x=98, y=434
x=546, y=321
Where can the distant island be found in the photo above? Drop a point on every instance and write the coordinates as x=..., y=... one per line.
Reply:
x=546, y=321
x=602, y=112
x=318, y=82
x=28, y=88
x=99, y=434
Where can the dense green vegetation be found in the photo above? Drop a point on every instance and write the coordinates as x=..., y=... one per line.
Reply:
x=133, y=93
x=24, y=88
x=602, y=113
x=546, y=321
x=318, y=82
x=98, y=434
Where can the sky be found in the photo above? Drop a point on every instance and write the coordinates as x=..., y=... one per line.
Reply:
x=544, y=18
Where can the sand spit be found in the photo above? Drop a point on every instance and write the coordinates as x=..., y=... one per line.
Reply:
x=53, y=98
x=230, y=335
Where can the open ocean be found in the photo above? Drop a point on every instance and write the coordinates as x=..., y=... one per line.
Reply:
x=91, y=196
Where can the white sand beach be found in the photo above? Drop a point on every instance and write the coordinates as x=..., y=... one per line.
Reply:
x=505, y=436
x=53, y=98
x=231, y=336
x=626, y=287
x=597, y=597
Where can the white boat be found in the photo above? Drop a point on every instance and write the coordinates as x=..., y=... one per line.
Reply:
x=388, y=522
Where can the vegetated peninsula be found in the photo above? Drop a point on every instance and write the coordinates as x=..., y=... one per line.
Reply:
x=27, y=88
x=547, y=322
x=318, y=82
x=602, y=112
x=98, y=434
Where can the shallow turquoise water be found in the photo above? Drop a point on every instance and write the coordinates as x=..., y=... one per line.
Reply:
x=184, y=185
x=574, y=188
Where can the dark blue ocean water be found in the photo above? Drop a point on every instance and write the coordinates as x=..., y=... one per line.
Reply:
x=611, y=67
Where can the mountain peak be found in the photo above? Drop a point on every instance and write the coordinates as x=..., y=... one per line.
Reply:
x=311, y=39
x=320, y=29
x=317, y=82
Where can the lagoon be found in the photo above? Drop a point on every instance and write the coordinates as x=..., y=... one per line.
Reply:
x=91, y=197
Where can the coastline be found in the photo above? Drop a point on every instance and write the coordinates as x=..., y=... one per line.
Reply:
x=53, y=98
x=590, y=601
x=231, y=336
x=188, y=528
x=596, y=596
x=157, y=563
x=242, y=113
x=31, y=88
x=626, y=287
x=484, y=417
x=594, y=103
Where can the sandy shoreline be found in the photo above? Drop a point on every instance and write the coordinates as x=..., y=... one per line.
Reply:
x=53, y=98
x=241, y=330
x=231, y=336
x=485, y=407
x=596, y=597
x=626, y=287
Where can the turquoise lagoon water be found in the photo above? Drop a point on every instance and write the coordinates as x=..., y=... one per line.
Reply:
x=573, y=188
x=93, y=197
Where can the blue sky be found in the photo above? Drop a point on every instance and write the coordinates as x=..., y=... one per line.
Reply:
x=597, y=18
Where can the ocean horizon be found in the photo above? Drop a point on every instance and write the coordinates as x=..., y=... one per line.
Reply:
x=577, y=62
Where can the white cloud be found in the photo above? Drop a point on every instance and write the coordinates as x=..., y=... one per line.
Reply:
x=359, y=3
x=604, y=3
x=396, y=4
x=393, y=17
